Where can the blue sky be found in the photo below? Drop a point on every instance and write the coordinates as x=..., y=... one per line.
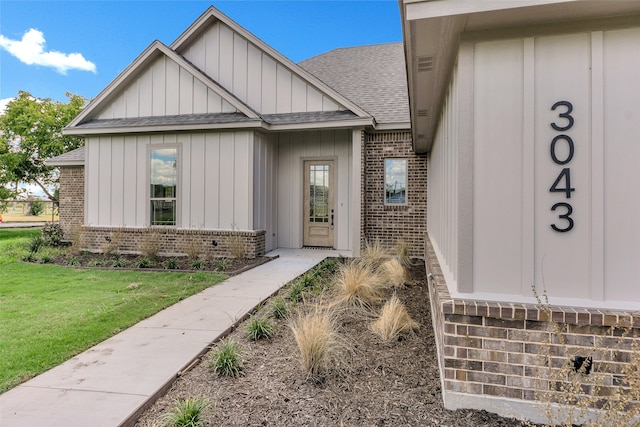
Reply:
x=49, y=48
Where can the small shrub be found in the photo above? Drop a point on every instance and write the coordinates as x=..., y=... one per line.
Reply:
x=150, y=244
x=73, y=261
x=186, y=413
x=317, y=341
x=279, y=309
x=197, y=264
x=144, y=262
x=94, y=263
x=36, y=208
x=118, y=263
x=259, y=328
x=357, y=284
x=221, y=264
x=171, y=264
x=52, y=234
x=393, y=320
x=35, y=244
x=45, y=259
x=226, y=360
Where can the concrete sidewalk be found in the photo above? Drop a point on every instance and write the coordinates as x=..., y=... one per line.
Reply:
x=110, y=384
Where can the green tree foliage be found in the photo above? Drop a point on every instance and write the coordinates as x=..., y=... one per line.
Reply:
x=30, y=133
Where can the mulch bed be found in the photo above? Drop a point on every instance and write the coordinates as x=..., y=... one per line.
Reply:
x=229, y=266
x=376, y=384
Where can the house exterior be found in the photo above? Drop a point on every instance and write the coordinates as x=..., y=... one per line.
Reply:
x=219, y=135
x=529, y=113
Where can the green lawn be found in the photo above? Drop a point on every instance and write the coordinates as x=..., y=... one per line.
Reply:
x=49, y=314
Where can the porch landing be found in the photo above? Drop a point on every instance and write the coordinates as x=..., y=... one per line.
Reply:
x=110, y=384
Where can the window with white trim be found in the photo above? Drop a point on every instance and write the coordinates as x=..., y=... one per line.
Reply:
x=163, y=179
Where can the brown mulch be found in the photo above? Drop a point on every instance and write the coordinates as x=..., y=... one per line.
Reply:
x=84, y=259
x=377, y=384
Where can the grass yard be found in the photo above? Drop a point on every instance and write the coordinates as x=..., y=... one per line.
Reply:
x=48, y=313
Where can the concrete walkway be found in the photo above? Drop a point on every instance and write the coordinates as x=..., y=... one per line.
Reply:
x=110, y=384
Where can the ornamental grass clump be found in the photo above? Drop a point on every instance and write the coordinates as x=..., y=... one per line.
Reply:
x=186, y=413
x=358, y=284
x=374, y=254
x=394, y=273
x=394, y=320
x=225, y=359
x=317, y=339
x=279, y=308
x=593, y=385
x=401, y=250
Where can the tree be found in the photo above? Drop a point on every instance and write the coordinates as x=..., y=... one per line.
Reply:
x=30, y=133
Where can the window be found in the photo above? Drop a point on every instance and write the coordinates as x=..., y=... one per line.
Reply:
x=395, y=181
x=164, y=177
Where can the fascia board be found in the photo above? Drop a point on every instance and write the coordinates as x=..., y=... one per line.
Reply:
x=421, y=9
x=338, y=124
x=65, y=163
x=161, y=128
x=213, y=13
x=148, y=54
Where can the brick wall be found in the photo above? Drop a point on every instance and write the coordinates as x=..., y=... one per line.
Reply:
x=514, y=351
x=387, y=224
x=174, y=241
x=71, y=199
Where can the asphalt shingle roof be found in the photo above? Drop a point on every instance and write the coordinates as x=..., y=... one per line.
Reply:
x=185, y=119
x=373, y=77
x=75, y=157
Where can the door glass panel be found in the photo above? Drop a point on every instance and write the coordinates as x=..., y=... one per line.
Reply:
x=319, y=193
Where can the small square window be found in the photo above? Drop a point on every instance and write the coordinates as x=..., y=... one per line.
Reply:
x=395, y=181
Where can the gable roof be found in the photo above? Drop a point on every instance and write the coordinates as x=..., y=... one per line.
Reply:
x=373, y=77
x=96, y=118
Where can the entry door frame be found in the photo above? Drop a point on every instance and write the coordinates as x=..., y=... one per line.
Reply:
x=308, y=239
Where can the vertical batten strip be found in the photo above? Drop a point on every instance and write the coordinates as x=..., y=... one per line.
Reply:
x=463, y=99
x=597, y=166
x=528, y=167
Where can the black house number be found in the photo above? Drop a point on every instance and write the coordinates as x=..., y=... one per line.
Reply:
x=562, y=184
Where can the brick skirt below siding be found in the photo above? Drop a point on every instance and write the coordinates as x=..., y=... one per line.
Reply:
x=172, y=241
x=510, y=351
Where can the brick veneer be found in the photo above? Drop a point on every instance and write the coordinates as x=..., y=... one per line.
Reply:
x=504, y=349
x=387, y=224
x=173, y=241
x=71, y=199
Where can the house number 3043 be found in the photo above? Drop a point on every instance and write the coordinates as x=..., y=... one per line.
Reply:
x=562, y=184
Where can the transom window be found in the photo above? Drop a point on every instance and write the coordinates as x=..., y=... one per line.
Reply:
x=164, y=178
x=395, y=181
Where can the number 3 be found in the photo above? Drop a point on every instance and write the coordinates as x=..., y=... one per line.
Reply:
x=565, y=115
x=566, y=216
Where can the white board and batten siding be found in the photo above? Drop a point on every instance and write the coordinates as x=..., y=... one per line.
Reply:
x=293, y=149
x=215, y=180
x=252, y=75
x=164, y=88
x=493, y=157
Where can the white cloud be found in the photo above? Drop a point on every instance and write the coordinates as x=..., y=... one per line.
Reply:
x=3, y=104
x=30, y=50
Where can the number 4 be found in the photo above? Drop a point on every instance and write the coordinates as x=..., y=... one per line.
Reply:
x=567, y=189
